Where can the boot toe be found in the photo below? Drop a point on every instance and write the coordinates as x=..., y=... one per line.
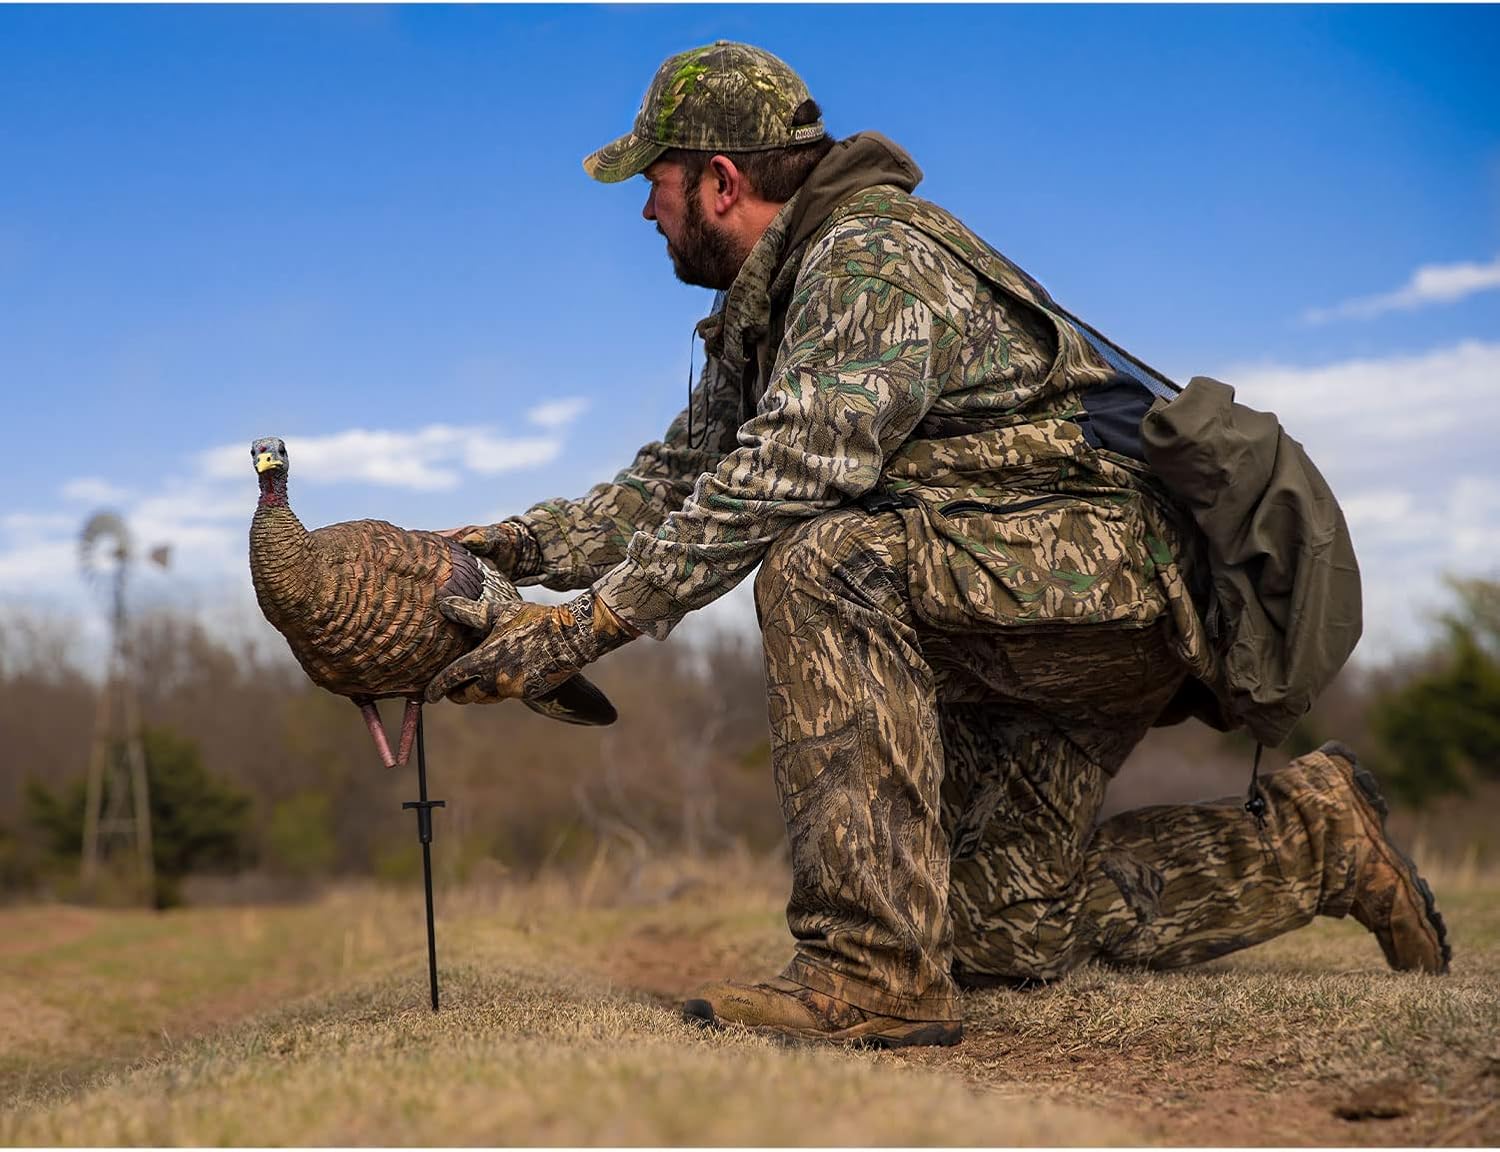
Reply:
x=700, y=1012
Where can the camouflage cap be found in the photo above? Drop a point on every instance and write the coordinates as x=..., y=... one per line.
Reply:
x=724, y=97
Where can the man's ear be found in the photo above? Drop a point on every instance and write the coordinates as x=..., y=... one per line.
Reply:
x=727, y=183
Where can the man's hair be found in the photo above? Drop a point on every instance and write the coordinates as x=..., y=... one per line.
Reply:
x=775, y=173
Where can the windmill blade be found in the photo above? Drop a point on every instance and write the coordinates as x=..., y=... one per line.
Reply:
x=104, y=544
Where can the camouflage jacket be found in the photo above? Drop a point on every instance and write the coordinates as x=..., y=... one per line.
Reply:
x=910, y=361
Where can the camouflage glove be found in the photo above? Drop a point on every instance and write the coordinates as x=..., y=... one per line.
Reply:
x=508, y=545
x=530, y=648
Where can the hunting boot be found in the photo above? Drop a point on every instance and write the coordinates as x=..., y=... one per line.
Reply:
x=790, y=1011
x=1390, y=898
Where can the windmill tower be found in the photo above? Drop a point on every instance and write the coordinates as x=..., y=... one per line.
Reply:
x=117, y=812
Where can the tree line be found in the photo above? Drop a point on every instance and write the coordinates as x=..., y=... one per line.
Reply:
x=253, y=769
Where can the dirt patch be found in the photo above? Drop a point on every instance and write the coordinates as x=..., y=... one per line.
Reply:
x=1208, y=1104
x=1250, y=1093
x=38, y=929
x=666, y=962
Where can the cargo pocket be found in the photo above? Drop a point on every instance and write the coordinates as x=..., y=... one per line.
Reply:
x=1033, y=559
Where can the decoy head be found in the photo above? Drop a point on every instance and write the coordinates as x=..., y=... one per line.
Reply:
x=269, y=454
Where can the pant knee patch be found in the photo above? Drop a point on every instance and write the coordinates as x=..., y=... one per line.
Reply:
x=1139, y=884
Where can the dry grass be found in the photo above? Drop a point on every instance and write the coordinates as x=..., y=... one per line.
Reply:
x=309, y=1025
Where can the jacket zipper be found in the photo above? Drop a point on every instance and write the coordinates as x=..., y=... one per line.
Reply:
x=955, y=506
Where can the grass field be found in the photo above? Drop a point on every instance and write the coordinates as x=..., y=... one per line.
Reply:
x=309, y=1024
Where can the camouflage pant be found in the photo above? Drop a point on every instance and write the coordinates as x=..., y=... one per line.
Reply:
x=940, y=793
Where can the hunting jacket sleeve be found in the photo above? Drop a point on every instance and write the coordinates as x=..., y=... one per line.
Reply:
x=865, y=353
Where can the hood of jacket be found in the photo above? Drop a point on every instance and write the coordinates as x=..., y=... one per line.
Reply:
x=861, y=161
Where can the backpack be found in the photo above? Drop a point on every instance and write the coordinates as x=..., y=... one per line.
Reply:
x=1286, y=609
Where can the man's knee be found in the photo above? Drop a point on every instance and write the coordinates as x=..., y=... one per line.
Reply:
x=1017, y=914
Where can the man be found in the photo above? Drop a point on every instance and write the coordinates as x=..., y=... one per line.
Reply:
x=972, y=609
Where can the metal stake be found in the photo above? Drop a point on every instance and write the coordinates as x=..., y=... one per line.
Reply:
x=424, y=809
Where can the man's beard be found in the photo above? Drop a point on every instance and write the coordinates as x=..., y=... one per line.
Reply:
x=706, y=258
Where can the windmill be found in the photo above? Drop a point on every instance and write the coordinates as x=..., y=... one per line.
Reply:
x=117, y=813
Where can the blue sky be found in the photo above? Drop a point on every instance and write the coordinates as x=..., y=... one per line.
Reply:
x=367, y=230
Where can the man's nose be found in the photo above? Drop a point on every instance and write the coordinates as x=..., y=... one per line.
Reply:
x=648, y=211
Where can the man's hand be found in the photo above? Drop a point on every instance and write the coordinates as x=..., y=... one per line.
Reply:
x=508, y=545
x=530, y=648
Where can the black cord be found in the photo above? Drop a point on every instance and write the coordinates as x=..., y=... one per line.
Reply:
x=692, y=344
x=1256, y=804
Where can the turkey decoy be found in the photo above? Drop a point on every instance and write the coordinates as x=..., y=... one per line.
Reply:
x=357, y=603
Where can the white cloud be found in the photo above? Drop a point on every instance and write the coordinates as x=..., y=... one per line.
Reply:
x=39, y=563
x=1406, y=442
x=1369, y=406
x=1475, y=516
x=92, y=490
x=195, y=504
x=428, y=459
x=1429, y=284
x=1411, y=543
x=389, y=459
x=1381, y=510
x=489, y=455
x=558, y=413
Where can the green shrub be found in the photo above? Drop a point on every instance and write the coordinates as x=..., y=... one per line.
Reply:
x=1442, y=728
x=299, y=838
x=198, y=822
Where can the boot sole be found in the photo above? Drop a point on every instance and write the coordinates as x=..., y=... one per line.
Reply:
x=1369, y=788
x=938, y=1033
